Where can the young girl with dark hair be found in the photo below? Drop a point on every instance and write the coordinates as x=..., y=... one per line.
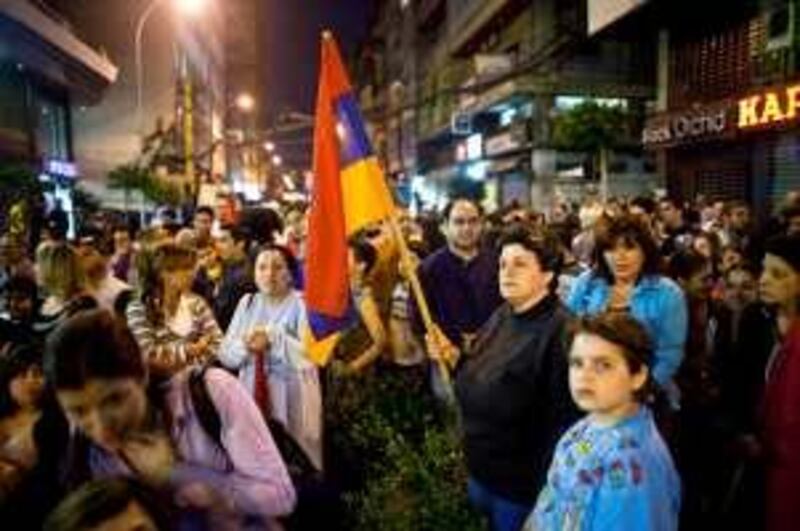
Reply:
x=612, y=469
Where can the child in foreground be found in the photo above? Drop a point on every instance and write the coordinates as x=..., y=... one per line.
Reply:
x=611, y=470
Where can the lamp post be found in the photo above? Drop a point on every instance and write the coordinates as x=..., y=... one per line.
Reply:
x=190, y=7
x=137, y=45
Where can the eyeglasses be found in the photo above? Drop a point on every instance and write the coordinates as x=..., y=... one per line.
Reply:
x=465, y=221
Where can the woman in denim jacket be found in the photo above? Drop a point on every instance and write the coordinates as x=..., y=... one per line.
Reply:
x=625, y=278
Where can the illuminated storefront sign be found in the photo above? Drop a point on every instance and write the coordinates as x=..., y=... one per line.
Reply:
x=772, y=108
x=697, y=124
x=769, y=107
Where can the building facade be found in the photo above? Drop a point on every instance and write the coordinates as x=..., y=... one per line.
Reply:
x=472, y=89
x=183, y=93
x=726, y=124
x=48, y=75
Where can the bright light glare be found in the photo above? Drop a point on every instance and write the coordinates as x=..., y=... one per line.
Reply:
x=191, y=7
x=269, y=146
x=277, y=160
x=245, y=102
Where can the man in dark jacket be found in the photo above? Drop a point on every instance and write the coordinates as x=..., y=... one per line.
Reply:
x=460, y=279
x=236, y=278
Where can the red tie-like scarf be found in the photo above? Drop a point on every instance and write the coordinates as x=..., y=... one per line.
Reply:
x=260, y=385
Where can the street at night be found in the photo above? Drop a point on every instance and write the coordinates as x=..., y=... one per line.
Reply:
x=402, y=265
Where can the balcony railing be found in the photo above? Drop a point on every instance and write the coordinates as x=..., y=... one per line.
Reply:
x=465, y=18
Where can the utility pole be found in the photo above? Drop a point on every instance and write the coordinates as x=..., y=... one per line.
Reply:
x=188, y=131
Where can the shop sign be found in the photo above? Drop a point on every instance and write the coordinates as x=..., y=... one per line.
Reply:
x=771, y=107
x=513, y=139
x=682, y=127
x=501, y=144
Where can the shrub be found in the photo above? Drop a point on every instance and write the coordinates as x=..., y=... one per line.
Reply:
x=396, y=454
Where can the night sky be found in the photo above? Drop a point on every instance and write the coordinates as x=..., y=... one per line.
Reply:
x=291, y=36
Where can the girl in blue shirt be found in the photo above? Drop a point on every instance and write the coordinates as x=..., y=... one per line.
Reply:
x=611, y=471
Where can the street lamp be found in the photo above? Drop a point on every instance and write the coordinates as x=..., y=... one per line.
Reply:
x=245, y=102
x=189, y=7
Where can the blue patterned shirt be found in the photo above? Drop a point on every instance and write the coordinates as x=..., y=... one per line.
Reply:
x=610, y=478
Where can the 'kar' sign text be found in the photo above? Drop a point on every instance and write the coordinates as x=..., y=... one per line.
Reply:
x=771, y=107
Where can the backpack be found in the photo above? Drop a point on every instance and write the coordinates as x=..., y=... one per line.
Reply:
x=317, y=501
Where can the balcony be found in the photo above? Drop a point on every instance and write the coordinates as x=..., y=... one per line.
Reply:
x=467, y=18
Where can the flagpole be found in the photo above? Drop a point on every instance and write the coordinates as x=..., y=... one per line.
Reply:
x=416, y=288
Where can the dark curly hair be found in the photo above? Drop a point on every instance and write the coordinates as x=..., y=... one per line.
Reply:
x=543, y=244
x=631, y=232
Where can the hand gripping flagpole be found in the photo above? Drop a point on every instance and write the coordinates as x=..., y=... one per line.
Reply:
x=416, y=288
x=389, y=214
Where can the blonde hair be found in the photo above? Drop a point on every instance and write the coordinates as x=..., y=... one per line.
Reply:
x=60, y=270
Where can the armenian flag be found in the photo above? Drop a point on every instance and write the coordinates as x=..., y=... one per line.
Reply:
x=349, y=191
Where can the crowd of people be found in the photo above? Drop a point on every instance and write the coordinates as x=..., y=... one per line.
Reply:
x=628, y=364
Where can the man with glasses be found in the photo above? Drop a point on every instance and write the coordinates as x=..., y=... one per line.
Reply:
x=460, y=279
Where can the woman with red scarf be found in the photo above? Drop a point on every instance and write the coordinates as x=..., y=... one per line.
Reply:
x=780, y=287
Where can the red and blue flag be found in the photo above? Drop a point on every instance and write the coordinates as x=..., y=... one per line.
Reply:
x=349, y=191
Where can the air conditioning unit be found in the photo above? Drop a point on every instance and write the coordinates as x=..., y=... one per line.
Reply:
x=461, y=124
x=781, y=27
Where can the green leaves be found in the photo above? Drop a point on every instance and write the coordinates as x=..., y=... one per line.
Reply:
x=590, y=127
x=18, y=180
x=404, y=466
x=131, y=177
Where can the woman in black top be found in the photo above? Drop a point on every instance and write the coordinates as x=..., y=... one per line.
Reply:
x=512, y=385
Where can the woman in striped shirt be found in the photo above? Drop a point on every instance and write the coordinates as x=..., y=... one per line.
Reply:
x=173, y=327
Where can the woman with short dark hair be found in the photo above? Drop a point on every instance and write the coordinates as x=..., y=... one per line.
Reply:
x=264, y=343
x=626, y=278
x=511, y=385
x=780, y=408
x=21, y=390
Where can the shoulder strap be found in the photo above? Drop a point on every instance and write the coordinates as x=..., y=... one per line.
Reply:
x=203, y=405
x=250, y=297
